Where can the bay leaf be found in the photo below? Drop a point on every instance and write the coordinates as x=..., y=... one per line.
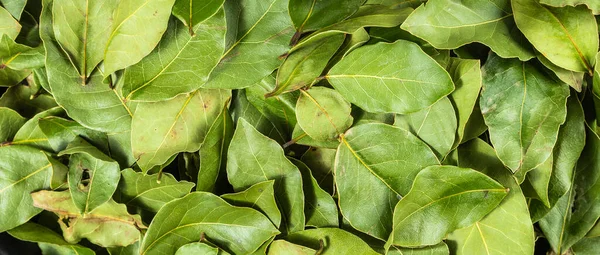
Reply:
x=310, y=15
x=261, y=197
x=213, y=152
x=320, y=208
x=10, y=121
x=323, y=113
x=33, y=232
x=192, y=12
x=333, y=241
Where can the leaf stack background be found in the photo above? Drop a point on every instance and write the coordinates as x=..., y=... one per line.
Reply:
x=300, y=126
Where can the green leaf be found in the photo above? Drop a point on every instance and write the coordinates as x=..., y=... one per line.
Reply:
x=146, y=21
x=10, y=77
x=93, y=176
x=360, y=76
x=334, y=241
x=179, y=56
x=197, y=248
x=591, y=4
x=261, y=197
x=574, y=79
x=21, y=99
x=466, y=75
x=321, y=162
x=444, y=191
x=374, y=166
x=82, y=29
x=31, y=134
x=302, y=67
x=279, y=109
x=127, y=250
x=523, y=109
x=446, y=24
x=95, y=105
x=570, y=143
x=150, y=192
x=300, y=137
x=236, y=229
x=366, y=16
x=98, y=226
x=493, y=234
x=179, y=124
x=18, y=56
x=10, y=121
x=254, y=41
x=323, y=113
x=254, y=158
x=320, y=208
x=267, y=123
x=438, y=249
x=213, y=152
x=10, y=26
x=573, y=30
x=587, y=246
x=33, y=232
x=60, y=132
x=578, y=210
x=24, y=170
x=15, y=7
x=436, y=125
x=193, y=12
x=283, y=247
x=309, y=15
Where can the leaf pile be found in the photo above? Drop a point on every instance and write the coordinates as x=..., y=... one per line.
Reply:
x=300, y=126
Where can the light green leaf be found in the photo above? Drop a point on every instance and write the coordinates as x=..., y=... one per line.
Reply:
x=355, y=40
x=98, y=226
x=591, y=4
x=574, y=79
x=15, y=7
x=10, y=77
x=213, y=152
x=466, y=74
x=300, y=137
x=578, y=210
x=93, y=176
x=10, y=26
x=261, y=197
x=302, y=67
x=320, y=208
x=144, y=20
x=18, y=56
x=321, y=162
x=366, y=16
x=254, y=158
x=334, y=241
x=436, y=125
x=236, y=229
x=179, y=56
x=150, y=192
x=446, y=24
x=95, y=105
x=10, y=121
x=197, y=248
x=254, y=41
x=283, y=247
x=266, y=123
x=538, y=181
x=24, y=170
x=375, y=165
x=192, y=12
x=179, y=124
x=33, y=232
x=444, y=191
x=569, y=38
x=570, y=143
x=505, y=230
x=323, y=113
x=523, y=109
x=408, y=87
x=82, y=29
x=309, y=15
